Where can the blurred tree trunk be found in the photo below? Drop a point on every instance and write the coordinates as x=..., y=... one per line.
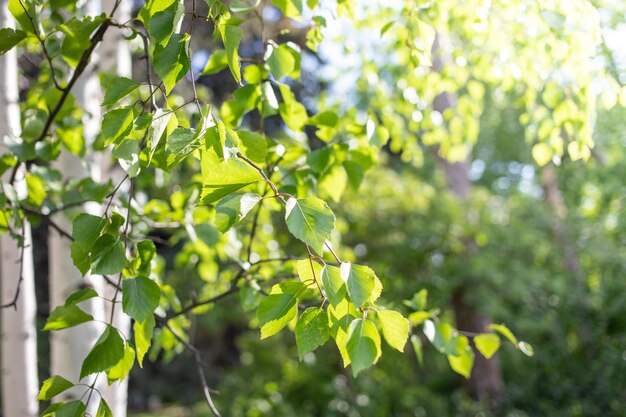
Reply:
x=17, y=275
x=69, y=347
x=485, y=383
x=115, y=58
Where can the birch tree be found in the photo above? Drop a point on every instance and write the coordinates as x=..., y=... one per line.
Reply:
x=17, y=274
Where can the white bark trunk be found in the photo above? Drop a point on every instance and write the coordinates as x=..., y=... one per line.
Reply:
x=19, y=336
x=70, y=347
x=116, y=58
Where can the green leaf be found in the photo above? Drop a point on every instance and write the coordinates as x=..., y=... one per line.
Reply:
x=140, y=297
x=542, y=153
x=334, y=183
x=118, y=87
x=418, y=302
x=117, y=124
x=107, y=256
x=363, y=345
x=9, y=38
x=231, y=36
x=442, y=335
x=181, y=143
x=146, y=251
x=310, y=273
x=291, y=110
x=464, y=360
x=278, y=309
x=106, y=353
x=86, y=228
x=526, y=348
x=386, y=27
x=416, y=342
x=63, y=317
x=171, y=62
x=281, y=61
x=395, y=328
x=487, y=344
x=312, y=330
x=226, y=178
x=157, y=129
x=253, y=145
x=78, y=37
x=21, y=14
x=103, y=409
x=326, y=118
x=360, y=281
x=161, y=26
x=334, y=285
x=310, y=220
x=80, y=295
x=233, y=208
x=120, y=371
x=36, y=188
x=217, y=62
x=290, y=8
x=143, y=337
x=504, y=331
x=52, y=387
x=71, y=409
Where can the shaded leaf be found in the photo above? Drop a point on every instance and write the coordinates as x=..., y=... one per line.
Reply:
x=140, y=297
x=106, y=353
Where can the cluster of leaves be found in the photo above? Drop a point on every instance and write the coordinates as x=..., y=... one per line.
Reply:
x=229, y=169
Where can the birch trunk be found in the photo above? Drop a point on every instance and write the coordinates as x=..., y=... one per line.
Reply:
x=19, y=336
x=115, y=58
x=70, y=347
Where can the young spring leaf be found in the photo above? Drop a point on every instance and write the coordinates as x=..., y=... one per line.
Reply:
x=363, y=345
x=140, y=297
x=281, y=61
x=63, y=317
x=52, y=387
x=71, y=409
x=171, y=62
x=106, y=353
x=253, y=145
x=416, y=342
x=103, y=409
x=9, y=38
x=118, y=87
x=312, y=330
x=143, y=332
x=395, y=328
x=463, y=360
x=278, y=309
x=334, y=285
x=290, y=8
x=107, y=256
x=360, y=281
x=504, y=331
x=80, y=295
x=226, y=178
x=487, y=344
x=181, y=143
x=310, y=220
x=120, y=371
x=231, y=209
x=116, y=124
x=310, y=273
x=231, y=36
x=217, y=62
